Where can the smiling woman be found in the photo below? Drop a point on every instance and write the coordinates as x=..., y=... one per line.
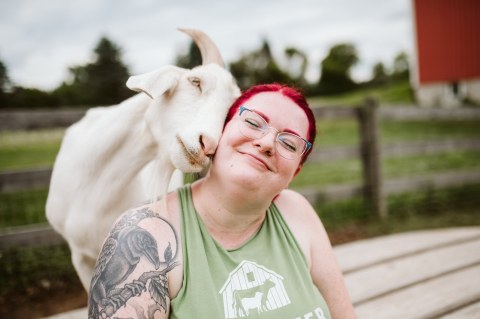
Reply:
x=246, y=245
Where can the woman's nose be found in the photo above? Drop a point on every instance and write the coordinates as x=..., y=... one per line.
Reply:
x=266, y=143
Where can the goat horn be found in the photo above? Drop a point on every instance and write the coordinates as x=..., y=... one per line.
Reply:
x=208, y=49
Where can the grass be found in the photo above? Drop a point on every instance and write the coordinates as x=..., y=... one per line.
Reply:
x=350, y=171
x=29, y=149
x=428, y=131
x=344, y=132
x=23, y=208
x=397, y=93
x=454, y=207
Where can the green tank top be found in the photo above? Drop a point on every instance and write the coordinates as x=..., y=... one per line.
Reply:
x=267, y=277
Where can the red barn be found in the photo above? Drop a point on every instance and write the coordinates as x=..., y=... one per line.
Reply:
x=447, y=51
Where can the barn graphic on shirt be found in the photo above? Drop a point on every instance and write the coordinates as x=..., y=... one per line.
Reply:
x=252, y=289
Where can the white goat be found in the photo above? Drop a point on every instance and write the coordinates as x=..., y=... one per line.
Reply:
x=176, y=124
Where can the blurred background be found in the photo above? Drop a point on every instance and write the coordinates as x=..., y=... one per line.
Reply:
x=395, y=86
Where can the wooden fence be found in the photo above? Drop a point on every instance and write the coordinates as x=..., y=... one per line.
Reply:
x=374, y=188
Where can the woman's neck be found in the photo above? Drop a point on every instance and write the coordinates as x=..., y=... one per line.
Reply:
x=231, y=216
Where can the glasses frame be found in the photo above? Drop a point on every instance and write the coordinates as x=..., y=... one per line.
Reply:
x=308, y=145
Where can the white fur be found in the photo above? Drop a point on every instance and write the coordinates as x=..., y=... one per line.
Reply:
x=101, y=167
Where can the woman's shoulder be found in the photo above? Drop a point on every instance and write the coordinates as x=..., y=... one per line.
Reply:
x=165, y=207
x=159, y=218
x=144, y=242
x=291, y=202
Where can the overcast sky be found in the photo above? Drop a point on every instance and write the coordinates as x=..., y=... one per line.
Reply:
x=40, y=39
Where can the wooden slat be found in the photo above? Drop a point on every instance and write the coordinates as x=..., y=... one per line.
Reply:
x=432, y=181
x=429, y=147
x=36, y=235
x=425, y=114
x=454, y=292
x=430, y=299
x=39, y=119
x=330, y=192
x=335, y=112
x=25, y=180
x=396, y=274
x=468, y=312
x=323, y=154
x=360, y=254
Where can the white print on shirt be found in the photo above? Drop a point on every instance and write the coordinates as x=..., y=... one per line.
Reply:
x=252, y=289
x=316, y=314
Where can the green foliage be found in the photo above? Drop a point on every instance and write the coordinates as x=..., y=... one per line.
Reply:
x=451, y=207
x=23, y=208
x=257, y=67
x=4, y=83
x=34, y=271
x=191, y=58
x=29, y=98
x=297, y=66
x=4, y=80
x=101, y=82
x=335, y=69
x=401, y=67
x=379, y=76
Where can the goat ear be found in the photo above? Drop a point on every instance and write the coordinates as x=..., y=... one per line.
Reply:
x=156, y=83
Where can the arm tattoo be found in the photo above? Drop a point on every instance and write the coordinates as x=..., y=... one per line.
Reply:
x=126, y=245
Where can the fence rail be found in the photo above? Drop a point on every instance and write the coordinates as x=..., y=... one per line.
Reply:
x=374, y=188
x=32, y=120
x=38, y=119
x=40, y=178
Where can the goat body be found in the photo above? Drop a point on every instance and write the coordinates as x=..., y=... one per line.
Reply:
x=100, y=170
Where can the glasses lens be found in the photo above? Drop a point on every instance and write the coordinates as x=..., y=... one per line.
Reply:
x=251, y=125
x=290, y=146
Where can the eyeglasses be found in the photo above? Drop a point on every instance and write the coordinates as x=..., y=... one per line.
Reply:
x=288, y=145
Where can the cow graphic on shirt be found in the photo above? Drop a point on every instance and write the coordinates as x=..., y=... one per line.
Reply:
x=252, y=289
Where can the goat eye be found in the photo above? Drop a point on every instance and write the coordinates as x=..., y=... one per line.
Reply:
x=195, y=81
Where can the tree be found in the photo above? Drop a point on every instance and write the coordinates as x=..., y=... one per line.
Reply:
x=101, y=82
x=401, y=68
x=335, y=69
x=29, y=98
x=4, y=84
x=191, y=58
x=298, y=63
x=379, y=74
x=257, y=67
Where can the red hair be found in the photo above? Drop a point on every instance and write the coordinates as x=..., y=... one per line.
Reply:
x=293, y=94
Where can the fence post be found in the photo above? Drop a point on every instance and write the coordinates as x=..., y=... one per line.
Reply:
x=371, y=158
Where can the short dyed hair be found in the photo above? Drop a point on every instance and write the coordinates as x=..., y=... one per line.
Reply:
x=292, y=93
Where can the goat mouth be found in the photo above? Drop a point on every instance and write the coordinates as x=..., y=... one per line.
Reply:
x=194, y=157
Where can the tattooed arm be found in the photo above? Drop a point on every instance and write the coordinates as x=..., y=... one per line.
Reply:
x=130, y=278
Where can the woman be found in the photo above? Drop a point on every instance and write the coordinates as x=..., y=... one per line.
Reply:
x=236, y=243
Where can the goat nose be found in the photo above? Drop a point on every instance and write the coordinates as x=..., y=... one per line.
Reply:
x=208, y=144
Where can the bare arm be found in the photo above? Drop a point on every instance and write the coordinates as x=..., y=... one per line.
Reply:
x=312, y=237
x=131, y=272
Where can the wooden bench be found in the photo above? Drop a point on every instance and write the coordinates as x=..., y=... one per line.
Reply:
x=421, y=274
